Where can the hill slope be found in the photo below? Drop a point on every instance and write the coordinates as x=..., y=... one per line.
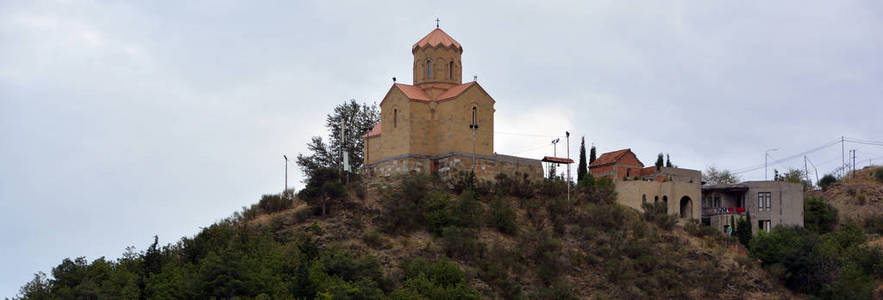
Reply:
x=857, y=198
x=415, y=238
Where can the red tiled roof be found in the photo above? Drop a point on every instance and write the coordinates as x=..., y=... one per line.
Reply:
x=559, y=160
x=437, y=38
x=455, y=91
x=609, y=157
x=413, y=92
x=375, y=131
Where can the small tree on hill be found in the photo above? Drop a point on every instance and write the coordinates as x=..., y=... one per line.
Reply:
x=323, y=189
x=581, y=167
x=819, y=216
x=668, y=161
x=357, y=118
x=592, y=155
x=743, y=230
x=827, y=181
x=659, y=161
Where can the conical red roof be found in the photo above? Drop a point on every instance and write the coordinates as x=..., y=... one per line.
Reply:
x=437, y=38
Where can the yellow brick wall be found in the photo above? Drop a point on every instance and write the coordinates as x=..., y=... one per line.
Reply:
x=423, y=131
x=394, y=137
x=441, y=58
x=454, y=117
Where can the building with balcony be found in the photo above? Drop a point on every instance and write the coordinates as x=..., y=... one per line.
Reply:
x=770, y=203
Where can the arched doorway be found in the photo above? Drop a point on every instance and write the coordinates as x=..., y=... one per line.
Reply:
x=686, y=208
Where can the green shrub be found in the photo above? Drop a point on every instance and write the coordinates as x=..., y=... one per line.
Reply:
x=462, y=181
x=592, y=190
x=878, y=175
x=657, y=213
x=552, y=187
x=703, y=231
x=439, y=280
x=819, y=216
x=373, y=239
x=873, y=224
x=401, y=205
x=461, y=243
x=502, y=216
x=827, y=181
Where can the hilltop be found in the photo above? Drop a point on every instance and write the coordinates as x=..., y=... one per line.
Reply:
x=858, y=197
x=418, y=237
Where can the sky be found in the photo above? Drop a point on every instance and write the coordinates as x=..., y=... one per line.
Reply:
x=121, y=120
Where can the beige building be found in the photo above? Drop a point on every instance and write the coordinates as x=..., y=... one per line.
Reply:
x=770, y=203
x=678, y=188
x=438, y=124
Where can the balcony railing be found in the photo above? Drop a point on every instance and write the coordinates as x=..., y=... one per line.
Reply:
x=714, y=211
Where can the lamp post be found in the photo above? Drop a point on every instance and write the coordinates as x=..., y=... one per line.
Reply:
x=765, y=161
x=567, y=134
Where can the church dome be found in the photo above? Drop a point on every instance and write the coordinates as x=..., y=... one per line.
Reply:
x=437, y=38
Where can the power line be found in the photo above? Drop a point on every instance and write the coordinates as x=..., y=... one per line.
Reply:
x=761, y=166
x=533, y=135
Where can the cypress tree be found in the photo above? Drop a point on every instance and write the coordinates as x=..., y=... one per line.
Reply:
x=667, y=161
x=659, y=161
x=581, y=167
x=592, y=155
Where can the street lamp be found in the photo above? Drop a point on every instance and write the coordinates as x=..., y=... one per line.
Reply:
x=765, y=160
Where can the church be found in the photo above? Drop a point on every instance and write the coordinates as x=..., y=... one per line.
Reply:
x=439, y=124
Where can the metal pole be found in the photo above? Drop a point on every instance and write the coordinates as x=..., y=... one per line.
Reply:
x=765, y=164
x=286, y=174
x=567, y=135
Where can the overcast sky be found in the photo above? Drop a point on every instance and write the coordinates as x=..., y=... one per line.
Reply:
x=119, y=121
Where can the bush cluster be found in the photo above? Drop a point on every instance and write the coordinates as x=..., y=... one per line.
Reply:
x=828, y=265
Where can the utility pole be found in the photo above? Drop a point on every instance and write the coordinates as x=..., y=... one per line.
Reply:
x=805, y=169
x=765, y=165
x=842, y=154
x=567, y=137
x=853, y=163
x=286, y=174
x=554, y=154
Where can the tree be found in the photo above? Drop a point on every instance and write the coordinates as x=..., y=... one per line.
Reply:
x=819, y=216
x=743, y=229
x=659, y=161
x=357, y=118
x=827, y=181
x=581, y=167
x=323, y=189
x=592, y=155
x=668, y=161
x=714, y=176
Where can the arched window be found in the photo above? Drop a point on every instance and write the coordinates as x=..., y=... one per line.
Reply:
x=451, y=70
x=474, y=117
x=428, y=69
x=395, y=118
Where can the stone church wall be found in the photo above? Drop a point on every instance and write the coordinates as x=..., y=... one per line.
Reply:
x=447, y=165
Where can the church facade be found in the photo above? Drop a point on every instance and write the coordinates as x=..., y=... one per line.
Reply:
x=438, y=123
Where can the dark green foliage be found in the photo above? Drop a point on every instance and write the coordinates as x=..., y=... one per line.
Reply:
x=274, y=203
x=659, y=161
x=657, y=213
x=582, y=167
x=878, y=175
x=439, y=280
x=592, y=155
x=703, y=231
x=873, y=224
x=668, y=161
x=358, y=118
x=463, y=181
x=323, y=189
x=401, y=204
x=461, y=243
x=552, y=187
x=819, y=216
x=827, y=181
x=502, y=216
x=520, y=186
x=743, y=230
x=545, y=251
x=593, y=190
x=831, y=265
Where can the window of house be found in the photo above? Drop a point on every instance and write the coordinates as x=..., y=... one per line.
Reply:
x=451, y=70
x=717, y=201
x=474, y=115
x=395, y=118
x=428, y=69
x=764, y=200
x=643, y=199
x=764, y=225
